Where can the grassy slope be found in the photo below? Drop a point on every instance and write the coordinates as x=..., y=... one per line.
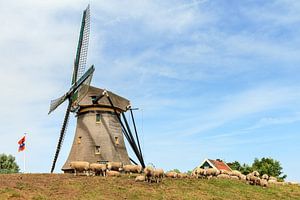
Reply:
x=46, y=186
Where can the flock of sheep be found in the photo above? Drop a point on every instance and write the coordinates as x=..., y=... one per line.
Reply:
x=252, y=178
x=151, y=174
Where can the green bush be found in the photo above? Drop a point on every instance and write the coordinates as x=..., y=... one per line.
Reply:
x=8, y=164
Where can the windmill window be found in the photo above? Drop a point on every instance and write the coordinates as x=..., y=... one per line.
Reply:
x=117, y=140
x=98, y=118
x=79, y=140
x=93, y=98
x=97, y=150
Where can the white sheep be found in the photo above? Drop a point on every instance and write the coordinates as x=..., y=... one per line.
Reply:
x=265, y=176
x=140, y=178
x=98, y=169
x=171, y=174
x=148, y=171
x=236, y=173
x=113, y=173
x=225, y=176
x=131, y=169
x=255, y=173
x=114, y=166
x=211, y=172
x=200, y=172
x=263, y=182
x=80, y=166
x=182, y=175
x=253, y=180
x=158, y=174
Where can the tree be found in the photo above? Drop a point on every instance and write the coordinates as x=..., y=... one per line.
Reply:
x=235, y=165
x=244, y=169
x=8, y=164
x=189, y=172
x=268, y=166
x=176, y=170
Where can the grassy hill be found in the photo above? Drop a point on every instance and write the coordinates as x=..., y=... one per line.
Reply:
x=62, y=186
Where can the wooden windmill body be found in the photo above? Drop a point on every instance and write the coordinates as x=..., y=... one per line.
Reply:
x=98, y=137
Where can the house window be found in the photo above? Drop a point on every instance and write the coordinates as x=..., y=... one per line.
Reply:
x=97, y=149
x=79, y=140
x=98, y=118
x=117, y=140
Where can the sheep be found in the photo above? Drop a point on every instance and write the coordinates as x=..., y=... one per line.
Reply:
x=234, y=177
x=182, y=175
x=265, y=176
x=171, y=174
x=137, y=169
x=199, y=172
x=226, y=176
x=222, y=171
x=148, y=171
x=243, y=177
x=272, y=181
x=279, y=183
x=255, y=173
x=236, y=173
x=140, y=178
x=262, y=182
x=98, y=169
x=193, y=174
x=80, y=166
x=273, y=178
x=158, y=175
x=113, y=173
x=253, y=180
x=131, y=169
x=114, y=166
x=212, y=172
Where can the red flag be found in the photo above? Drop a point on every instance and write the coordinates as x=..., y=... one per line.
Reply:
x=22, y=144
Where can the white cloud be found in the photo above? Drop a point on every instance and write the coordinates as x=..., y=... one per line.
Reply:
x=241, y=105
x=278, y=12
x=157, y=16
x=270, y=121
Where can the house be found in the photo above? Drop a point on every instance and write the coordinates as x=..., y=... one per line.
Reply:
x=216, y=164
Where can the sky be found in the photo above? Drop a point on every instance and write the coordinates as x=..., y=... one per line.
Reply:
x=211, y=78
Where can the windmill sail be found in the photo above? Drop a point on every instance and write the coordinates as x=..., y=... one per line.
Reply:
x=83, y=89
x=79, y=85
x=80, y=88
x=61, y=135
x=56, y=102
x=82, y=48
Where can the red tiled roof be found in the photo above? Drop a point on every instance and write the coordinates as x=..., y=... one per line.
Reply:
x=220, y=165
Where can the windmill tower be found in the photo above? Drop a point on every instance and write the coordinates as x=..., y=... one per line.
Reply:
x=101, y=122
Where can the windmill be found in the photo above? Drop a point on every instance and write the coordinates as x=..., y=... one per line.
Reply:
x=101, y=122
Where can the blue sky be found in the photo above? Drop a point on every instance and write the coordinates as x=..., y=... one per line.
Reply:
x=212, y=79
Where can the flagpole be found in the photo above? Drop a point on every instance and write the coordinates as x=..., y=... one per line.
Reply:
x=24, y=157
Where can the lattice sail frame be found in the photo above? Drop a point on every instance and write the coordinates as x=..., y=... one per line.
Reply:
x=85, y=44
x=56, y=102
x=82, y=48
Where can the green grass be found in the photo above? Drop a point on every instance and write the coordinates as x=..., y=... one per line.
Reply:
x=47, y=186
